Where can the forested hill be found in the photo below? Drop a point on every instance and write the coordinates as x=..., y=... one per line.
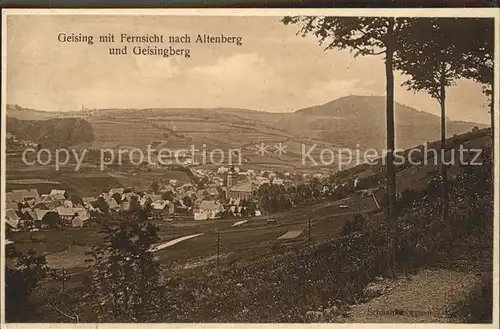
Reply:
x=52, y=133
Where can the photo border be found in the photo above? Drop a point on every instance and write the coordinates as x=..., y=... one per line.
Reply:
x=422, y=12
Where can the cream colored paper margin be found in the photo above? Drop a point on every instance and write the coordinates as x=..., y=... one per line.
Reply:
x=416, y=12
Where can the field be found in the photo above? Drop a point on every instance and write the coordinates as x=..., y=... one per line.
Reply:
x=330, y=126
x=44, y=179
x=89, y=180
x=351, y=122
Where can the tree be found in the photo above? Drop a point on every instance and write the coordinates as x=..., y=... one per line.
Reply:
x=365, y=36
x=430, y=56
x=125, y=284
x=134, y=204
x=155, y=187
x=478, y=60
x=202, y=183
x=22, y=277
x=168, y=196
x=76, y=200
x=117, y=197
x=52, y=220
x=102, y=205
x=187, y=201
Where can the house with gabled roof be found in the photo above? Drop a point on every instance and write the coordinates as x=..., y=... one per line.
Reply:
x=207, y=209
x=40, y=206
x=12, y=205
x=28, y=215
x=155, y=197
x=167, y=188
x=11, y=219
x=162, y=208
x=112, y=204
x=40, y=213
x=69, y=214
x=58, y=199
x=88, y=200
x=29, y=194
x=118, y=190
x=49, y=201
x=128, y=196
x=13, y=197
x=63, y=193
x=278, y=181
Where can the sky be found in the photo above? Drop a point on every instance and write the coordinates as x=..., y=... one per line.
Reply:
x=273, y=70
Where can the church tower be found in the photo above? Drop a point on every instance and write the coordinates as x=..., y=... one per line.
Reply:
x=229, y=180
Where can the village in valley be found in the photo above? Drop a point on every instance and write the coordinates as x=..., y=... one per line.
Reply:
x=228, y=192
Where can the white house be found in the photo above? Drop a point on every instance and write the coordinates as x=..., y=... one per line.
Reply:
x=208, y=210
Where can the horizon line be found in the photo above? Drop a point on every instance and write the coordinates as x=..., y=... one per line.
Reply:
x=296, y=111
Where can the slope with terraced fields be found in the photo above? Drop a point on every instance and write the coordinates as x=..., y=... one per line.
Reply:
x=351, y=122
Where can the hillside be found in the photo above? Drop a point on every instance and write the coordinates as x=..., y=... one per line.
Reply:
x=361, y=120
x=21, y=113
x=348, y=122
x=52, y=132
x=366, y=108
x=270, y=280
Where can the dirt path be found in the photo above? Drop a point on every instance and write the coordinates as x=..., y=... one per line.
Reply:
x=425, y=297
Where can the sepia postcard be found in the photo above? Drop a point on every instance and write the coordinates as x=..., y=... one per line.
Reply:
x=335, y=167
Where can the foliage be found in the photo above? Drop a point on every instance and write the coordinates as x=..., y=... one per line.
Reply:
x=168, y=195
x=21, y=279
x=431, y=54
x=102, y=205
x=187, y=201
x=357, y=225
x=52, y=133
x=52, y=220
x=202, y=183
x=291, y=283
x=125, y=281
x=155, y=187
x=117, y=197
x=134, y=204
x=363, y=35
x=276, y=198
x=285, y=283
x=478, y=60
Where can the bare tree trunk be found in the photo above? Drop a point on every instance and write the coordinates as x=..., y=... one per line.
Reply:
x=444, y=174
x=391, y=172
